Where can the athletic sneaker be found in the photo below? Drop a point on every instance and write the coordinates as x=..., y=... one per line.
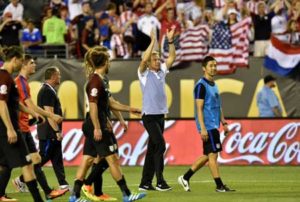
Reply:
x=133, y=197
x=66, y=186
x=88, y=192
x=56, y=193
x=106, y=197
x=146, y=187
x=73, y=198
x=184, y=183
x=163, y=187
x=6, y=198
x=20, y=186
x=224, y=188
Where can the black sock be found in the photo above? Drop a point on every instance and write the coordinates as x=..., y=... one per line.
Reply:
x=98, y=181
x=77, y=188
x=97, y=170
x=22, y=179
x=218, y=182
x=41, y=178
x=188, y=174
x=32, y=186
x=5, y=173
x=123, y=186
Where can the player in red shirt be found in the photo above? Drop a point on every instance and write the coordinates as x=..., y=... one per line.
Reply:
x=27, y=70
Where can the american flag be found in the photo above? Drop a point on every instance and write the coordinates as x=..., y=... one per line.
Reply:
x=191, y=45
x=230, y=45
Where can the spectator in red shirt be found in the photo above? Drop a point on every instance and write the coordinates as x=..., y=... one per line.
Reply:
x=169, y=22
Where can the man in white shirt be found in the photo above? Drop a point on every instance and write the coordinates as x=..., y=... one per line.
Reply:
x=16, y=8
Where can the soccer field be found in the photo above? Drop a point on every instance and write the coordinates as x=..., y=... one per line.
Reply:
x=253, y=183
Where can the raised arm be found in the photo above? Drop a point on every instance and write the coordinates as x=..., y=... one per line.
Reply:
x=147, y=54
x=172, y=51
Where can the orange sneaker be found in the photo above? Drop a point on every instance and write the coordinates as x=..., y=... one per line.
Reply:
x=57, y=193
x=6, y=198
x=106, y=197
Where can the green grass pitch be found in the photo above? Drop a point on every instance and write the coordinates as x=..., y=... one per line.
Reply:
x=253, y=183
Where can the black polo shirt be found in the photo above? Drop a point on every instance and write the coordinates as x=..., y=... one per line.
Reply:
x=262, y=26
x=47, y=97
x=10, y=34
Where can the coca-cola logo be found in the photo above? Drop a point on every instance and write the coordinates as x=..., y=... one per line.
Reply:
x=130, y=154
x=263, y=147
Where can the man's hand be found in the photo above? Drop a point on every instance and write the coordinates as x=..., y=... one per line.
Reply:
x=57, y=118
x=124, y=125
x=135, y=111
x=170, y=34
x=11, y=136
x=204, y=135
x=59, y=136
x=39, y=117
x=226, y=129
x=97, y=134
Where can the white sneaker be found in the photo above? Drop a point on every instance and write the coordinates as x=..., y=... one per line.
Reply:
x=20, y=186
x=184, y=183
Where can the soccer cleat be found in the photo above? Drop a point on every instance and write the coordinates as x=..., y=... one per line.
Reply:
x=133, y=197
x=224, y=188
x=184, y=183
x=106, y=197
x=73, y=198
x=146, y=187
x=20, y=186
x=56, y=193
x=88, y=192
x=163, y=187
x=6, y=198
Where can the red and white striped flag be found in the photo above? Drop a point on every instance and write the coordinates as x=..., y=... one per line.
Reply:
x=192, y=45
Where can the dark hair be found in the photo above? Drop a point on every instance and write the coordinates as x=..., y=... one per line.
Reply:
x=111, y=6
x=11, y=52
x=94, y=58
x=27, y=58
x=49, y=72
x=206, y=60
x=269, y=78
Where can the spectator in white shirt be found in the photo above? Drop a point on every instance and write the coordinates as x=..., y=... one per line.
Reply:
x=148, y=21
x=16, y=8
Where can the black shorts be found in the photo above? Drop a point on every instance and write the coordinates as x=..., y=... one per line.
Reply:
x=30, y=142
x=105, y=147
x=213, y=144
x=14, y=155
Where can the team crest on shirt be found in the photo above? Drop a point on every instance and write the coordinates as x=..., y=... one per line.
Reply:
x=218, y=146
x=94, y=92
x=3, y=89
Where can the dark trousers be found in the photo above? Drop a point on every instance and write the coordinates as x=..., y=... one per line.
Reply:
x=51, y=150
x=154, y=161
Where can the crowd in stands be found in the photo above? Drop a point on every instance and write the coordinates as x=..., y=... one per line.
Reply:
x=123, y=26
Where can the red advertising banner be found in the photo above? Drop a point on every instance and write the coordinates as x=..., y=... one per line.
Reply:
x=250, y=142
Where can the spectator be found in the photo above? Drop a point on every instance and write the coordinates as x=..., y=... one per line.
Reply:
x=128, y=21
x=117, y=43
x=31, y=37
x=54, y=29
x=267, y=101
x=168, y=23
x=57, y=5
x=105, y=30
x=148, y=21
x=262, y=29
x=74, y=8
x=293, y=32
x=120, y=5
x=16, y=9
x=232, y=17
x=279, y=21
x=183, y=20
x=78, y=24
x=10, y=30
x=89, y=36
